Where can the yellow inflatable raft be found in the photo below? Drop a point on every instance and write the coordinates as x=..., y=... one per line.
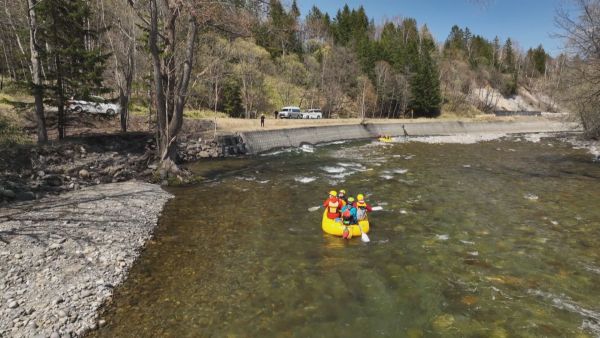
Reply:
x=385, y=139
x=336, y=228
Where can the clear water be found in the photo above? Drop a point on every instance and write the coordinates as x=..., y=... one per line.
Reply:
x=495, y=239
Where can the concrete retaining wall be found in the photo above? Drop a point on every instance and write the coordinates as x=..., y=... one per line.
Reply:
x=260, y=141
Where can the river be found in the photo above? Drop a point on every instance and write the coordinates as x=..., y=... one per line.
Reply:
x=497, y=239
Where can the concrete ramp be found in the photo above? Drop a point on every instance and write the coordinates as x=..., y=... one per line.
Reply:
x=261, y=141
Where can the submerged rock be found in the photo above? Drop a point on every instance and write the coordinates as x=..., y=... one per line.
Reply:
x=443, y=322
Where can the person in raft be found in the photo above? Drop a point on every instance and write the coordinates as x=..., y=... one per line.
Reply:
x=348, y=217
x=362, y=208
x=342, y=196
x=333, y=205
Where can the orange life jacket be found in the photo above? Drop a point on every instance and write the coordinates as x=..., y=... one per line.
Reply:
x=333, y=206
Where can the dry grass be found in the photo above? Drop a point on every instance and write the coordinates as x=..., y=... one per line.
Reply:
x=234, y=124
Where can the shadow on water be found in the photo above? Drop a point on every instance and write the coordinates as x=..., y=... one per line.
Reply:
x=472, y=241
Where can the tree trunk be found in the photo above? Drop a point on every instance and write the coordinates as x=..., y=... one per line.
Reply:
x=125, y=93
x=177, y=121
x=9, y=68
x=169, y=116
x=60, y=100
x=60, y=95
x=36, y=65
x=161, y=117
x=124, y=103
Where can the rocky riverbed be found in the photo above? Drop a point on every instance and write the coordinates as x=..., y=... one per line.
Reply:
x=61, y=256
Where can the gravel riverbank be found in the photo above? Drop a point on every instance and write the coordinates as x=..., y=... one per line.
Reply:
x=61, y=257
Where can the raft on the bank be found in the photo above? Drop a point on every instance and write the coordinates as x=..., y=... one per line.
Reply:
x=336, y=227
x=386, y=139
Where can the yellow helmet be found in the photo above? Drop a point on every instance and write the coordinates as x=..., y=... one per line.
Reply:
x=360, y=197
x=333, y=193
x=343, y=191
x=350, y=199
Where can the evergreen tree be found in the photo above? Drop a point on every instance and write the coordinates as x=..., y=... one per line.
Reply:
x=455, y=40
x=425, y=83
x=280, y=35
x=496, y=52
x=481, y=51
x=342, y=26
x=539, y=58
x=389, y=43
x=468, y=36
x=231, y=102
x=509, y=57
x=318, y=25
x=295, y=11
x=293, y=30
x=409, y=34
x=76, y=68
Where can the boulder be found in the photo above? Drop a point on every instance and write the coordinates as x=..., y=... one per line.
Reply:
x=84, y=173
x=53, y=180
x=8, y=193
x=25, y=196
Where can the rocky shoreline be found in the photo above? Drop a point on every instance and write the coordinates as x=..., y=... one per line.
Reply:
x=31, y=172
x=61, y=256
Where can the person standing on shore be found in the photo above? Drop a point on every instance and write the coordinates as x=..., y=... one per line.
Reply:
x=276, y=113
x=262, y=120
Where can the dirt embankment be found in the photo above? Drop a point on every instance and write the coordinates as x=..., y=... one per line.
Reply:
x=29, y=172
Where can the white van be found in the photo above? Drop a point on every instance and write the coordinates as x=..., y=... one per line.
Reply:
x=290, y=112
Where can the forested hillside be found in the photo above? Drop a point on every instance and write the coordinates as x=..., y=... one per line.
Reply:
x=246, y=58
x=347, y=64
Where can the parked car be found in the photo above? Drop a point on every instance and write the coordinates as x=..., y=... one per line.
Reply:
x=290, y=112
x=96, y=105
x=312, y=114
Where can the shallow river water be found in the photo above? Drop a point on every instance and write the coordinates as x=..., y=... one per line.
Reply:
x=495, y=239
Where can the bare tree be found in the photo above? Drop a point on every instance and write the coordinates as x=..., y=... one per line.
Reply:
x=251, y=59
x=118, y=19
x=170, y=85
x=581, y=34
x=172, y=53
x=36, y=73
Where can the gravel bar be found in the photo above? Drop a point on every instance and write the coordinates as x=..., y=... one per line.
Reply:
x=61, y=257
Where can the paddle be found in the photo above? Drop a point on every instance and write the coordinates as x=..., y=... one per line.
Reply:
x=377, y=208
x=363, y=236
x=311, y=209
